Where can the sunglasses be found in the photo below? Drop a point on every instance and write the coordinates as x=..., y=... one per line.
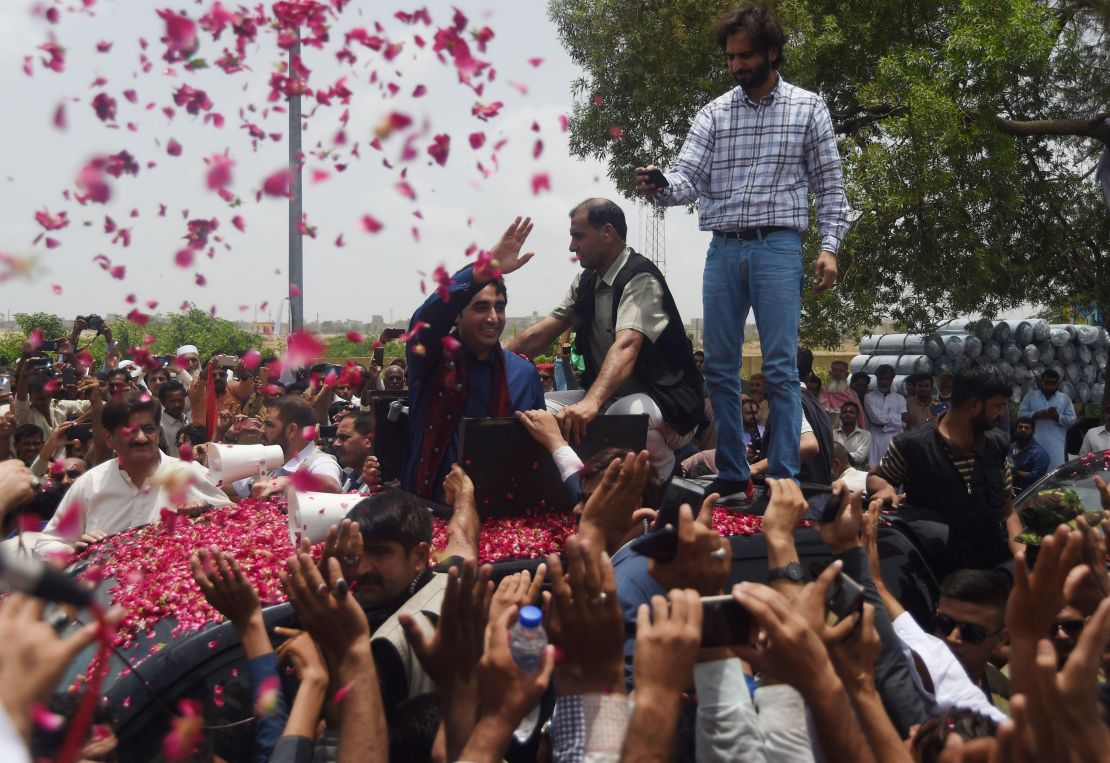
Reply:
x=970, y=633
x=1071, y=628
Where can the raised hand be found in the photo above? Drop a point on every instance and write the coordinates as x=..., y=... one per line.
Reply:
x=703, y=559
x=517, y=590
x=333, y=617
x=608, y=513
x=586, y=621
x=506, y=252
x=224, y=585
x=450, y=657
x=667, y=643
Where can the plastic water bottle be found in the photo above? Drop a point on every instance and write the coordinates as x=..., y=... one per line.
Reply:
x=527, y=641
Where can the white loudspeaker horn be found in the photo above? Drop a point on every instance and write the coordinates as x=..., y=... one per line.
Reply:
x=312, y=514
x=228, y=463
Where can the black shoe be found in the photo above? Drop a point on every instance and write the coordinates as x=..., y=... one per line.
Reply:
x=731, y=490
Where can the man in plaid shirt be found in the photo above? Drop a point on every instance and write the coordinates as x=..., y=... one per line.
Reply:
x=750, y=160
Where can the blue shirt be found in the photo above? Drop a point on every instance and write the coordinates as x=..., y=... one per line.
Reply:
x=1034, y=460
x=634, y=587
x=1050, y=434
x=525, y=389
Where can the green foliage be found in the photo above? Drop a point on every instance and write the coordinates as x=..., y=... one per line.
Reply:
x=210, y=335
x=961, y=208
x=51, y=326
x=339, y=347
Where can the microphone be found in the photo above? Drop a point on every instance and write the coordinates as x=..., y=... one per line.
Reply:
x=30, y=575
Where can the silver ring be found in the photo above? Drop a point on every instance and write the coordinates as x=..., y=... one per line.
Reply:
x=322, y=590
x=36, y=483
x=720, y=553
x=599, y=600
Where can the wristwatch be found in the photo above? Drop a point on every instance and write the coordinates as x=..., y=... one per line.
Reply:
x=792, y=572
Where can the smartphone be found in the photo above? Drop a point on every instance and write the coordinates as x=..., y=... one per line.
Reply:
x=379, y=357
x=844, y=597
x=69, y=376
x=677, y=492
x=49, y=345
x=225, y=361
x=660, y=544
x=657, y=178
x=724, y=622
x=80, y=431
x=823, y=505
x=389, y=335
x=327, y=432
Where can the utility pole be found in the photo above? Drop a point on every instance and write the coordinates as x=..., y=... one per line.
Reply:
x=296, y=243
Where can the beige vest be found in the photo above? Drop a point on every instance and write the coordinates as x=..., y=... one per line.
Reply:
x=427, y=601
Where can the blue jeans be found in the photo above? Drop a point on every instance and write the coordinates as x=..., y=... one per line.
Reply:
x=764, y=275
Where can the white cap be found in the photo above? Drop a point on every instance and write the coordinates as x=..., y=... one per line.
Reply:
x=187, y=349
x=131, y=367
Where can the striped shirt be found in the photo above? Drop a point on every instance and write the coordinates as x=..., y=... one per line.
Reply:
x=893, y=466
x=752, y=164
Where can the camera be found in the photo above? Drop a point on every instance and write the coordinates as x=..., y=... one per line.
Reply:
x=49, y=345
x=93, y=322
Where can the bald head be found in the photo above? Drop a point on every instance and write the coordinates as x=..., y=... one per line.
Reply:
x=601, y=212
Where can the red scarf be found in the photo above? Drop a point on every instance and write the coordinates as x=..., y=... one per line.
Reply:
x=446, y=395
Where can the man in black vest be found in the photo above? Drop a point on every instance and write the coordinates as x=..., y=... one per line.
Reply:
x=957, y=466
x=628, y=329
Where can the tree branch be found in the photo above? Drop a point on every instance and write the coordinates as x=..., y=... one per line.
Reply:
x=851, y=121
x=1097, y=127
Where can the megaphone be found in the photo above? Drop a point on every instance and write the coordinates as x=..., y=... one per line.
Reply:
x=312, y=514
x=228, y=463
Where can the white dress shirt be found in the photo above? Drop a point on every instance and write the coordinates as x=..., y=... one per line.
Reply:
x=730, y=727
x=110, y=502
x=951, y=685
x=171, y=426
x=318, y=463
x=1095, y=441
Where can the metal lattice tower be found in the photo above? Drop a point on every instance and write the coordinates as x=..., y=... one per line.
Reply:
x=653, y=235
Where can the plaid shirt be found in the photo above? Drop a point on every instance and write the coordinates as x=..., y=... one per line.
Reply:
x=752, y=164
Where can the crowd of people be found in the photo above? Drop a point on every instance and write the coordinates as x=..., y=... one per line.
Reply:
x=651, y=646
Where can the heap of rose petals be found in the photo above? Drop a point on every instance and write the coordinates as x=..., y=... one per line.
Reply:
x=152, y=578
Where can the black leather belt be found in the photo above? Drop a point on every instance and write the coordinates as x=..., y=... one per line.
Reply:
x=750, y=234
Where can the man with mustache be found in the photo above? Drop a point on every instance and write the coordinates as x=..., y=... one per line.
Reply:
x=750, y=160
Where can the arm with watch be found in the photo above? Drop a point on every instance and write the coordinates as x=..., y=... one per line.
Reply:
x=903, y=703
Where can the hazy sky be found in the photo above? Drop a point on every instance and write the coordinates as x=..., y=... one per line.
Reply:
x=372, y=273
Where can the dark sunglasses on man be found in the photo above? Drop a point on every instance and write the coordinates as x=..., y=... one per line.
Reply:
x=970, y=633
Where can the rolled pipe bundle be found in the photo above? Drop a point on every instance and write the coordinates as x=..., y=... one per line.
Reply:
x=1082, y=392
x=1066, y=353
x=902, y=344
x=1084, y=354
x=954, y=345
x=902, y=364
x=973, y=346
x=981, y=328
x=1001, y=331
x=1011, y=353
x=1047, y=351
x=1071, y=373
x=942, y=365
x=1089, y=374
x=1087, y=334
x=1022, y=333
x=1060, y=334
x=1068, y=389
x=1031, y=354
x=992, y=351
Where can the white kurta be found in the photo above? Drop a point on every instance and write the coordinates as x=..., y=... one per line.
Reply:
x=884, y=412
